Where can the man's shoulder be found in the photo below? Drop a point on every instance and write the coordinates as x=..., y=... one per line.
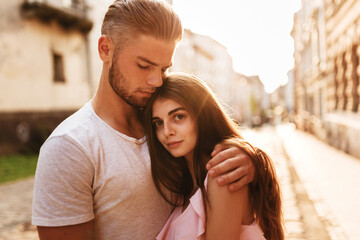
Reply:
x=74, y=138
x=77, y=126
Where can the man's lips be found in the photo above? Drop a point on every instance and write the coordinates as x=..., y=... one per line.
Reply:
x=173, y=144
x=147, y=93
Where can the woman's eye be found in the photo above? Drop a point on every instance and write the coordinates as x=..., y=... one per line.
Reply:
x=179, y=116
x=157, y=123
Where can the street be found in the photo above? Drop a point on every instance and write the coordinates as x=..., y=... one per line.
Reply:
x=331, y=179
x=325, y=182
x=300, y=218
x=320, y=187
x=15, y=211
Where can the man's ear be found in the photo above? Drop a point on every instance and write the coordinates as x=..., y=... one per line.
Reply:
x=105, y=48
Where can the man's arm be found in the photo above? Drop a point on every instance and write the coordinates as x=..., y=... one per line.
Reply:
x=230, y=165
x=63, y=200
x=83, y=231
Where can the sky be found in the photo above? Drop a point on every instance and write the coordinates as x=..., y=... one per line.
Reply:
x=256, y=33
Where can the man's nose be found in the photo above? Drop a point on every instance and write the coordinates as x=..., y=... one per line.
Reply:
x=156, y=79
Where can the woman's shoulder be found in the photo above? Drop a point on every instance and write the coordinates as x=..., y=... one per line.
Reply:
x=213, y=189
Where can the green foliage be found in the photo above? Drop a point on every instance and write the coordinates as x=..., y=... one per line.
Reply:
x=13, y=167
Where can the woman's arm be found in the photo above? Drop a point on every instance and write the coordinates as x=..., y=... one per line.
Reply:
x=226, y=211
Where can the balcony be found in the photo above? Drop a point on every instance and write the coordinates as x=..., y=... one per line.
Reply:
x=71, y=15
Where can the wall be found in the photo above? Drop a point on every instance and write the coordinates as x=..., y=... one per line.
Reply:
x=327, y=71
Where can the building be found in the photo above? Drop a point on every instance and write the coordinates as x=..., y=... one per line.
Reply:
x=50, y=65
x=326, y=73
x=203, y=56
x=252, y=100
x=289, y=93
x=282, y=101
x=44, y=71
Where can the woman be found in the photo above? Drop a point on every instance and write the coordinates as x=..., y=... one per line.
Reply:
x=184, y=122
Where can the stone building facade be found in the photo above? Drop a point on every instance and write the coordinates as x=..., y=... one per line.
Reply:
x=282, y=101
x=251, y=100
x=203, y=56
x=243, y=97
x=44, y=73
x=326, y=73
x=49, y=65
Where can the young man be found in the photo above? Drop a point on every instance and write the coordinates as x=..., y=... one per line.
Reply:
x=93, y=179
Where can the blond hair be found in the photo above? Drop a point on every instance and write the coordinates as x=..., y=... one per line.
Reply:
x=126, y=19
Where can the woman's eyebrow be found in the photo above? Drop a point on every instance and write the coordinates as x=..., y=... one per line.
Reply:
x=154, y=118
x=171, y=112
x=175, y=110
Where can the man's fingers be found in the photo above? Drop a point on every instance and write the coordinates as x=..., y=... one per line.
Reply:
x=232, y=176
x=231, y=166
x=234, y=158
x=240, y=183
x=225, y=168
x=218, y=148
x=221, y=157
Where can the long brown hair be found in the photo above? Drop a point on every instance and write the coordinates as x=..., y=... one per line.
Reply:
x=214, y=126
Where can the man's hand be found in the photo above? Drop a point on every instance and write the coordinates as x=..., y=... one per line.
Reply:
x=231, y=166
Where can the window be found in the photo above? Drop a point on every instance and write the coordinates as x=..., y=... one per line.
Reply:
x=355, y=78
x=58, y=68
x=344, y=98
x=336, y=84
x=76, y=4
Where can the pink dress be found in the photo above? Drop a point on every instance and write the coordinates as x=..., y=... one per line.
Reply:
x=190, y=224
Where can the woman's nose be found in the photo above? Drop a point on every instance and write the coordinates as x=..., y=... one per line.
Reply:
x=168, y=130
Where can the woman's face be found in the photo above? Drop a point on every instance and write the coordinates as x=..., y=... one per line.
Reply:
x=175, y=127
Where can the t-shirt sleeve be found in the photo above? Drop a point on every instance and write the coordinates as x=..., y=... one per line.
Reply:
x=63, y=192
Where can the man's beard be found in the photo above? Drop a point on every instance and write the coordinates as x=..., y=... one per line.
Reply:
x=118, y=82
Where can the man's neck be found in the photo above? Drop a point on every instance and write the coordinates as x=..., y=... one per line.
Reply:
x=119, y=115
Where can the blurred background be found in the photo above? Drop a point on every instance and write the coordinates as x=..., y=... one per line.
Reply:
x=287, y=71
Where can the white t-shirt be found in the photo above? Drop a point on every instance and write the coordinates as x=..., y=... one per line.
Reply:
x=88, y=170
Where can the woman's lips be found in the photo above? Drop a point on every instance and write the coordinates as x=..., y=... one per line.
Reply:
x=173, y=144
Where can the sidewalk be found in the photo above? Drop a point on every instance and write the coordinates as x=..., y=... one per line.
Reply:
x=15, y=211
x=331, y=178
x=267, y=139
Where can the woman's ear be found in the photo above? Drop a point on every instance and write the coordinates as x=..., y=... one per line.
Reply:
x=105, y=48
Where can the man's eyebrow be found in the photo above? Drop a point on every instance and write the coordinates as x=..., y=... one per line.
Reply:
x=148, y=61
x=152, y=63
